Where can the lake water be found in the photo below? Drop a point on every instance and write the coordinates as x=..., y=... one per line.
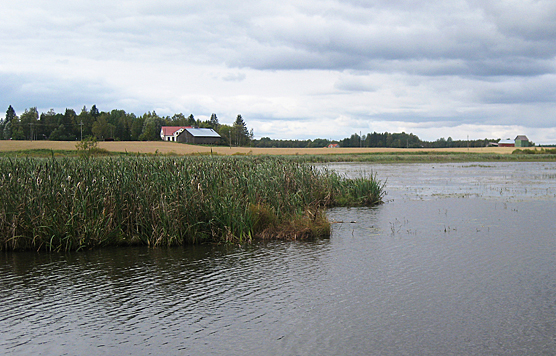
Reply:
x=460, y=260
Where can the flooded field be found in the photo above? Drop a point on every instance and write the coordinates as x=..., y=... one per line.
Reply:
x=458, y=261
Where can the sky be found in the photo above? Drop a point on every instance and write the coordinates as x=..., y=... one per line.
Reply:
x=300, y=69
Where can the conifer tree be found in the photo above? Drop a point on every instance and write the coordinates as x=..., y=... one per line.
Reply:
x=7, y=124
x=241, y=133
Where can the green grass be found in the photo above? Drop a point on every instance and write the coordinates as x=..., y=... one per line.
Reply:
x=60, y=204
x=519, y=155
x=46, y=153
x=534, y=151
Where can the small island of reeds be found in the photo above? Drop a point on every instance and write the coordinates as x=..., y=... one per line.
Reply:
x=62, y=204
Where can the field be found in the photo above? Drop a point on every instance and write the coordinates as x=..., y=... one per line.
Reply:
x=162, y=147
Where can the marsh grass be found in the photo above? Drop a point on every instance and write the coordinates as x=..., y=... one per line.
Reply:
x=58, y=204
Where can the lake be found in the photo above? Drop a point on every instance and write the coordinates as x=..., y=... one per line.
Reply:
x=459, y=260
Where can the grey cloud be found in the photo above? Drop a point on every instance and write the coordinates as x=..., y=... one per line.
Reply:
x=356, y=83
x=24, y=91
x=536, y=90
x=531, y=20
x=234, y=77
x=398, y=39
x=402, y=36
x=436, y=38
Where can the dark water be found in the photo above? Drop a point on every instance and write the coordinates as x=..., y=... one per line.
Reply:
x=460, y=261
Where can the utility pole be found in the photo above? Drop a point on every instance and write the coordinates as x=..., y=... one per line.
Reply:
x=81, y=124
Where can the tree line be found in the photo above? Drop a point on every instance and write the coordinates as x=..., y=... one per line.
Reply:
x=122, y=126
x=386, y=139
x=107, y=126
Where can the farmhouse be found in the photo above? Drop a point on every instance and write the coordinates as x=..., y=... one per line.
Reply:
x=198, y=136
x=171, y=133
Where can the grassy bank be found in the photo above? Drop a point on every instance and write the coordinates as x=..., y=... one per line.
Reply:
x=375, y=157
x=426, y=157
x=73, y=203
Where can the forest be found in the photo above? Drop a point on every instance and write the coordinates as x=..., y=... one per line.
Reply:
x=118, y=125
x=386, y=139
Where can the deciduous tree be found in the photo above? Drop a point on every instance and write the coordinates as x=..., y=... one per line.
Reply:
x=28, y=123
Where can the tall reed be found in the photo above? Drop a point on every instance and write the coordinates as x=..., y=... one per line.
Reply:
x=72, y=203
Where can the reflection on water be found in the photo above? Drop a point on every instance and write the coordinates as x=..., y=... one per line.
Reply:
x=448, y=266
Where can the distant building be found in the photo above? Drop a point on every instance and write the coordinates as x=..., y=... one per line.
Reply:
x=198, y=136
x=506, y=143
x=333, y=145
x=522, y=141
x=171, y=133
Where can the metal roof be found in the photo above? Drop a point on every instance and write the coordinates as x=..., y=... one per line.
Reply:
x=521, y=138
x=202, y=132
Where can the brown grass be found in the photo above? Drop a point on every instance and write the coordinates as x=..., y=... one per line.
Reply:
x=183, y=149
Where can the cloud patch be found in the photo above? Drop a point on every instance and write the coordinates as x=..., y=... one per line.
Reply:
x=234, y=77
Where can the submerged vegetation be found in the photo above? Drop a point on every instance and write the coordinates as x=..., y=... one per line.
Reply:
x=58, y=204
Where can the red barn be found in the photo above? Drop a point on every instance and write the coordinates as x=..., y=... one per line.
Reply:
x=506, y=143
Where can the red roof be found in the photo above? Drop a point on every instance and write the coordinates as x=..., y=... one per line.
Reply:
x=169, y=130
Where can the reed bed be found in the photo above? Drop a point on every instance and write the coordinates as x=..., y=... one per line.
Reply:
x=60, y=204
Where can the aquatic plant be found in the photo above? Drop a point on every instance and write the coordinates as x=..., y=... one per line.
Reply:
x=71, y=203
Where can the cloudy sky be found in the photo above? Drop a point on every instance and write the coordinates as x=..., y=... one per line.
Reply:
x=293, y=69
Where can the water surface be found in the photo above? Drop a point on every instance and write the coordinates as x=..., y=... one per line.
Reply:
x=459, y=261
